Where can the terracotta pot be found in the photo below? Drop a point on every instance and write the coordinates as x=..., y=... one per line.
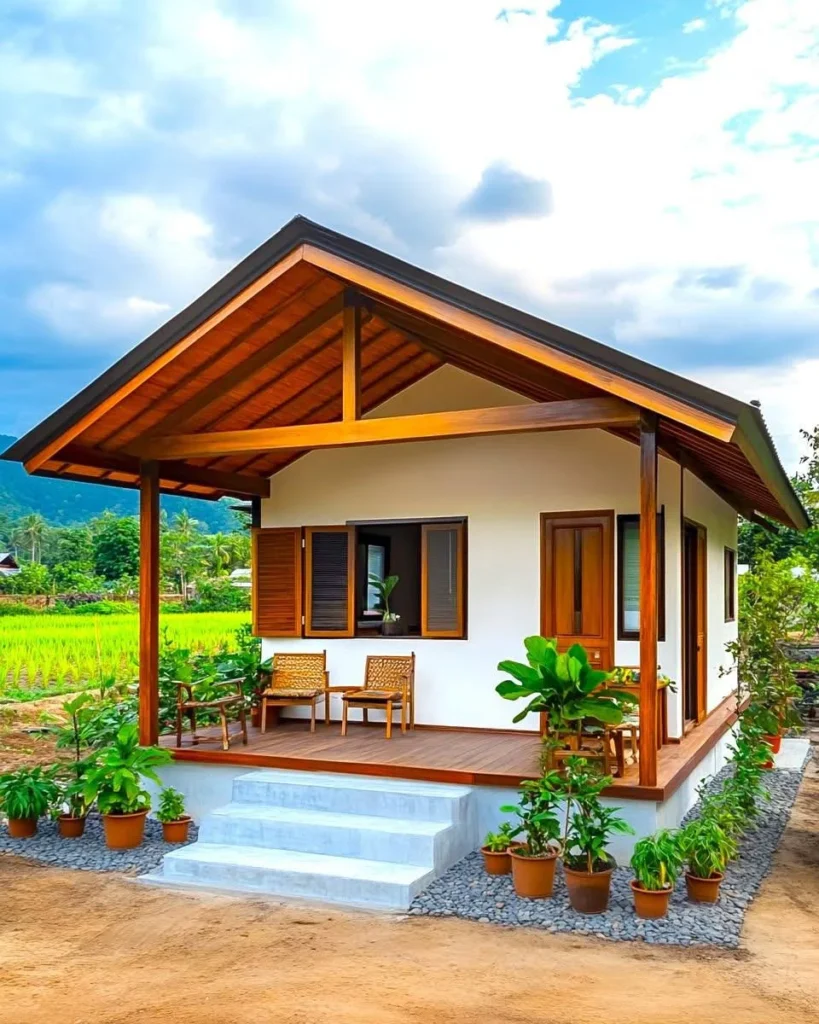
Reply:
x=22, y=828
x=650, y=903
x=533, y=877
x=588, y=893
x=496, y=863
x=774, y=742
x=703, y=890
x=70, y=828
x=176, y=831
x=124, y=831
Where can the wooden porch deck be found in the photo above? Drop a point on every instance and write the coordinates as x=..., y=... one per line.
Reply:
x=475, y=758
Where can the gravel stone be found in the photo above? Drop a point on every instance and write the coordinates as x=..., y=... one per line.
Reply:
x=467, y=891
x=90, y=852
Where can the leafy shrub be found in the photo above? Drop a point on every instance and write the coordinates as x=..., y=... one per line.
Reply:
x=103, y=607
x=28, y=792
x=115, y=781
x=17, y=609
x=657, y=860
x=171, y=805
x=537, y=814
x=590, y=823
x=500, y=841
x=220, y=595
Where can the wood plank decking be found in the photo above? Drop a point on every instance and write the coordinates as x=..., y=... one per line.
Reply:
x=478, y=758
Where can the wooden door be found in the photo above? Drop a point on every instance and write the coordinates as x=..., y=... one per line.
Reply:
x=695, y=619
x=577, y=582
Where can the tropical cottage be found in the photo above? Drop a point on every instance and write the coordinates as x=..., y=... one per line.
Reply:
x=383, y=421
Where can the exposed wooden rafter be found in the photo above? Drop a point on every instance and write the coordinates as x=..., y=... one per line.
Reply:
x=351, y=358
x=586, y=412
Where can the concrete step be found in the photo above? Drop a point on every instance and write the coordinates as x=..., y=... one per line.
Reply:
x=431, y=844
x=349, y=880
x=353, y=794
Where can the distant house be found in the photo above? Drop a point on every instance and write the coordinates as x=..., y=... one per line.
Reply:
x=240, y=578
x=8, y=564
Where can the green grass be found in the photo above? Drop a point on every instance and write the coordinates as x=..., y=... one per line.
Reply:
x=44, y=655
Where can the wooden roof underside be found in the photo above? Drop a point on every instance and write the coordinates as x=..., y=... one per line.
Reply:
x=303, y=384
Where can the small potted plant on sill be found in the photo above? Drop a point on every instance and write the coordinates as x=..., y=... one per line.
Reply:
x=25, y=796
x=706, y=849
x=587, y=864
x=171, y=812
x=390, y=624
x=656, y=861
x=115, y=782
x=496, y=848
x=533, y=861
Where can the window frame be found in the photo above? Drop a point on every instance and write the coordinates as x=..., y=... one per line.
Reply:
x=623, y=521
x=729, y=557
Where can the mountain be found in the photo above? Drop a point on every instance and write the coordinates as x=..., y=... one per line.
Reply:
x=65, y=503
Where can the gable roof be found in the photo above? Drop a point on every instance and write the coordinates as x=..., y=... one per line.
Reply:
x=417, y=322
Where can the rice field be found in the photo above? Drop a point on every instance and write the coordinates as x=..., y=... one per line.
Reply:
x=42, y=654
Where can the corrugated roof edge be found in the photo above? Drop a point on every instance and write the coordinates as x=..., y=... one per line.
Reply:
x=300, y=231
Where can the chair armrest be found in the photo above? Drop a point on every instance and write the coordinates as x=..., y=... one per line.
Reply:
x=181, y=697
x=235, y=683
x=342, y=689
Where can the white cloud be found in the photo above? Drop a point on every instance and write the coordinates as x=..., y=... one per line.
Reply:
x=81, y=314
x=695, y=25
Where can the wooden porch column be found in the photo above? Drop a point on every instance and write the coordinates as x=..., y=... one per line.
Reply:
x=351, y=358
x=648, y=599
x=149, y=603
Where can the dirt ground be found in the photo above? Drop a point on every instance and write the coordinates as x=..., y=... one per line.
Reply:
x=79, y=948
x=22, y=741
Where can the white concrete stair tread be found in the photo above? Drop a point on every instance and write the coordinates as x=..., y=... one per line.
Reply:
x=330, y=819
x=290, y=873
x=331, y=780
x=792, y=753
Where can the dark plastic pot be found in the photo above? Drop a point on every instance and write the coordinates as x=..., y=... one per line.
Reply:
x=390, y=628
x=588, y=892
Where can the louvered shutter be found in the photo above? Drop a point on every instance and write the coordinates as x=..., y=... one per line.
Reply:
x=329, y=590
x=276, y=582
x=442, y=580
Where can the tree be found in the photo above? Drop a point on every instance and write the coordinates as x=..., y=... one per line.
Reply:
x=32, y=578
x=115, y=546
x=31, y=530
x=218, y=552
x=182, y=554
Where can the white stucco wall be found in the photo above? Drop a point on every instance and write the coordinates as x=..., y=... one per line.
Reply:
x=501, y=485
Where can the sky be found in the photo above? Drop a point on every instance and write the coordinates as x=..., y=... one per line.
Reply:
x=644, y=173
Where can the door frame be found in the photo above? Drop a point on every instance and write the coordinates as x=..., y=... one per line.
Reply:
x=701, y=604
x=588, y=518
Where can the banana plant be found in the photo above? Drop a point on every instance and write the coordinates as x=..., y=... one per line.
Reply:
x=564, y=686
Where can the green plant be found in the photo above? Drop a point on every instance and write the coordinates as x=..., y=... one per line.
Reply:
x=115, y=779
x=28, y=792
x=589, y=825
x=564, y=686
x=384, y=588
x=657, y=860
x=171, y=805
x=706, y=847
x=537, y=814
x=500, y=841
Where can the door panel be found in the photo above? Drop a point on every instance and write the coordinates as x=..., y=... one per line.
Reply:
x=695, y=618
x=577, y=572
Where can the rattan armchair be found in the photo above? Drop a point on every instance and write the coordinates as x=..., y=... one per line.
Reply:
x=389, y=682
x=297, y=680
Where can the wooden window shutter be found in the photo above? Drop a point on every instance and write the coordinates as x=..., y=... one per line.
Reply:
x=276, y=582
x=442, y=580
x=329, y=580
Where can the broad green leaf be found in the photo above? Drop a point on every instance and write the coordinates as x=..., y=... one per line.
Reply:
x=536, y=647
x=511, y=691
x=523, y=673
x=578, y=651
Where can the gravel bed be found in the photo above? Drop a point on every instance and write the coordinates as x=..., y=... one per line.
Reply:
x=90, y=852
x=467, y=891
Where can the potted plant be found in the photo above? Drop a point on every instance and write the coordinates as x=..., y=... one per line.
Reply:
x=171, y=812
x=706, y=848
x=25, y=796
x=495, y=850
x=72, y=808
x=587, y=864
x=565, y=687
x=656, y=862
x=384, y=587
x=115, y=782
x=533, y=861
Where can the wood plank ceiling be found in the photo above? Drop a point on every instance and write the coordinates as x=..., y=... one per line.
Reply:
x=206, y=388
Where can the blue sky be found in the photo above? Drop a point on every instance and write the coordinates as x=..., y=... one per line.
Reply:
x=644, y=173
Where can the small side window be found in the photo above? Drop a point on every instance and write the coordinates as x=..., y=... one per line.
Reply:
x=730, y=585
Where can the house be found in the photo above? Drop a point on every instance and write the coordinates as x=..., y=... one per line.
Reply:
x=8, y=564
x=379, y=417
x=240, y=578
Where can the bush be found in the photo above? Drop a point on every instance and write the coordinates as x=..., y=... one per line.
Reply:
x=220, y=595
x=104, y=608
x=17, y=609
x=68, y=602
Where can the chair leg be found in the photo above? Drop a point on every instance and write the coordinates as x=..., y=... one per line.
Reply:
x=224, y=723
x=326, y=708
x=619, y=750
x=366, y=715
x=192, y=716
x=389, y=720
x=179, y=727
x=403, y=716
x=264, y=715
x=313, y=715
x=243, y=723
x=343, y=717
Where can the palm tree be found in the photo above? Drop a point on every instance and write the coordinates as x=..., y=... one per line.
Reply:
x=218, y=552
x=30, y=531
